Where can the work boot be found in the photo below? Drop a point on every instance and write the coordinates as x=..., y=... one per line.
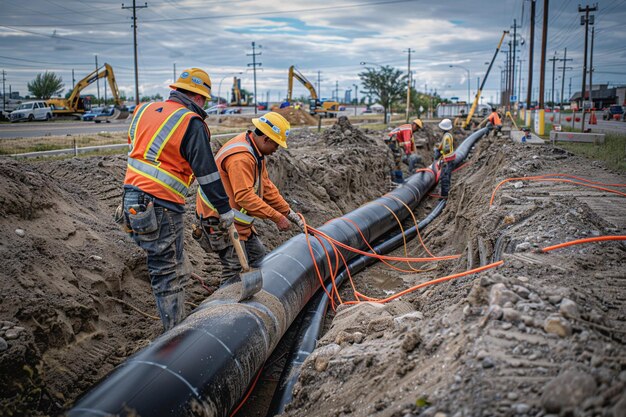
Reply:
x=171, y=308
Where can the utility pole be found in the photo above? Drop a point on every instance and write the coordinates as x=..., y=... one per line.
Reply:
x=73, y=79
x=408, y=87
x=585, y=20
x=97, y=80
x=593, y=30
x=513, y=62
x=135, y=7
x=531, y=51
x=319, y=83
x=4, y=94
x=174, y=73
x=519, y=88
x=553, y=59
x=337, y=91
x=356, y=97
x=254, y=64
x=542, y=72
x=565, y=59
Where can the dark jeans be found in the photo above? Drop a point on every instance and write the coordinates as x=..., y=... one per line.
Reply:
x=445, y=179
x=159, y=232
x=218, y=242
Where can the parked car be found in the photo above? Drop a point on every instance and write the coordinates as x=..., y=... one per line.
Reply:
x=91, y=114
x=32, y=110
x=217, y=109
x=614, y=112
x=104, y=115
x=234, y=110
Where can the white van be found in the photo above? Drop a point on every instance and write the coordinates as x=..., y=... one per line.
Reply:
x=32, y=110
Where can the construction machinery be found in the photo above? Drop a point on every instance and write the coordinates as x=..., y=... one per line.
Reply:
x=74, y=104
x=468, y=120
x=237, y=98
x=324, y=108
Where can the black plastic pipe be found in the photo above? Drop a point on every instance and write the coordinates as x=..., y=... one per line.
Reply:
x=203, y=366
x=313, y=320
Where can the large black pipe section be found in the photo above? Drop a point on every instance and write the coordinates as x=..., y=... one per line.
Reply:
x=203, y=366
x=311, y=327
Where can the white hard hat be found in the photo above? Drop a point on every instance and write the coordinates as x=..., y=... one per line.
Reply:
x=445, y=124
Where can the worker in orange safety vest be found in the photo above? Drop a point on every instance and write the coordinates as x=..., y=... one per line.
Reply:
x=242, y=166
x=402, y=146
x=168, y=147
x=495, y=122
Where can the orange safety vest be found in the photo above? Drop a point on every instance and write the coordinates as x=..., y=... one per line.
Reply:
x=494, y=118
x=404, y=137
x=204, y=207
x=155, y=164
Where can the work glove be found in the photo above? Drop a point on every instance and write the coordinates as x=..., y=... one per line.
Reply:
x=226, y=220
x=295, y=219
x=283, y=224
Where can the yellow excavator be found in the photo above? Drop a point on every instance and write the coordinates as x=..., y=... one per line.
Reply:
x=316, y=106
x=74, y=105
x=237, y=99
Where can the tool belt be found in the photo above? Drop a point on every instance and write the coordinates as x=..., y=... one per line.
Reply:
x=209, y=235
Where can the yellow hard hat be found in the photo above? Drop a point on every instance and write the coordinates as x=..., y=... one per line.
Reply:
x=194, y=80
x=419, y=123
x=274, y=126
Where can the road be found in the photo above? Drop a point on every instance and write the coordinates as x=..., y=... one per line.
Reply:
x=60, y=128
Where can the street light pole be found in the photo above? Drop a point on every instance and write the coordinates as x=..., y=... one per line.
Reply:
x=468, y=80
x=356, y=97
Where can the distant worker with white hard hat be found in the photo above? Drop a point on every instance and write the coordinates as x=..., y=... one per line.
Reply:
x=400, y=141
x=169, y=146
x=242, y=166
x=444, y=157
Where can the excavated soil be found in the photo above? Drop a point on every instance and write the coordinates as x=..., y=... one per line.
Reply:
x=543, y=334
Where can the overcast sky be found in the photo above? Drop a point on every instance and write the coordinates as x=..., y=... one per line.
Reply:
x=331, y=36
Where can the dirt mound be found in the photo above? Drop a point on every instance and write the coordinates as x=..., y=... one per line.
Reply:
x=297, y=117
x=342, y=133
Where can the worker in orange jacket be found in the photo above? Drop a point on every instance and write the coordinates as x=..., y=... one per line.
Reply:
x=169, y=146
x=402, y=146
x=252, y=195
x=495, y=122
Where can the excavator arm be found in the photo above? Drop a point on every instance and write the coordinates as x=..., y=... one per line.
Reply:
x=72, y=104
x=294, y=73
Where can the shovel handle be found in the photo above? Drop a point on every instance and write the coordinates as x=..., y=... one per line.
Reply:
x=234, y=238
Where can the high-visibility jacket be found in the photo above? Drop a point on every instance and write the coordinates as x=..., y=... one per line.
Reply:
x=248, y=186
x=494, y=118
x=404, y=137
x=155, y=164
x=446, y=147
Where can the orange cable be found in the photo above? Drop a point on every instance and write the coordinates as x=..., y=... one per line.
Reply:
x=579, y=241
x=435, y=281
x=417, y=229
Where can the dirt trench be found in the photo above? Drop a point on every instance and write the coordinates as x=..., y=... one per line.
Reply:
x=542, y=335
x=75, y=299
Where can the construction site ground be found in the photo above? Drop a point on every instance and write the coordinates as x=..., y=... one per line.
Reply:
x=541, y=335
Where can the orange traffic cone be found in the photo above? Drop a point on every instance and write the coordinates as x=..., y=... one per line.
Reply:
x=592, y=118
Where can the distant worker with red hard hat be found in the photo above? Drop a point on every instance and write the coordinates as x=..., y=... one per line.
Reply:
x=400, y=141
x=444, y=157
x=495, y=122
x=242, y=166
x=168, y=147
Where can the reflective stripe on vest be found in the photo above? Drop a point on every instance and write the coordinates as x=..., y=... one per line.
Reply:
x=220, y=156
x=404, y=141
x=240, y=216
x=133, y=125
x=155, y=147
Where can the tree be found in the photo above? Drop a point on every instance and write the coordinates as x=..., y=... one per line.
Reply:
x=46, y=85
x=386, y=84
